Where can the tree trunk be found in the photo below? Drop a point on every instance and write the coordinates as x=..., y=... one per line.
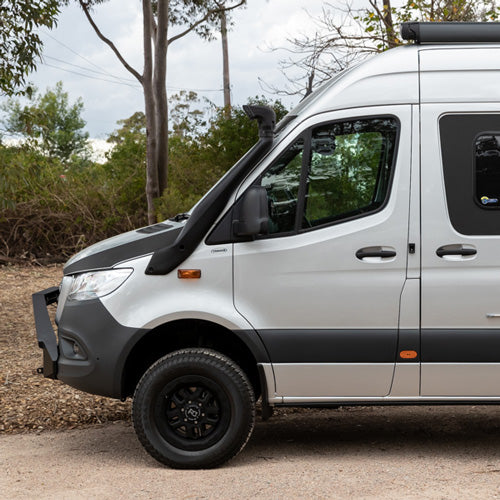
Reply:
x=152, y=190
x=153, y=81
x=152, y=187
x=161, y=120
x=389, y=25
x=160, y=95
x=225, y=66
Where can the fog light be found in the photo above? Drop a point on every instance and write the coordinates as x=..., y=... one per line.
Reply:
x=71, y=349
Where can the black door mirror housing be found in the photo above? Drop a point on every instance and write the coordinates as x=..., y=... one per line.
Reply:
x=252, y=213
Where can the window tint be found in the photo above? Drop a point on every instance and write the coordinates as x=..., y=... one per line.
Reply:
x=282, y=182
x=349, y=169
x=346, y=169
x=487, y=156
x=471, y=171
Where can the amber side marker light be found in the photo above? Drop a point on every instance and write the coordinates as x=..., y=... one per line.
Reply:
x=189, y=274
x=408, y=354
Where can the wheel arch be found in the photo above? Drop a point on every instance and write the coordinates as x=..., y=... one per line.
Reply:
x=244, y=347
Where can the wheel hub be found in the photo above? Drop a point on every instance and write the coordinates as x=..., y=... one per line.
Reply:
x=192, y=412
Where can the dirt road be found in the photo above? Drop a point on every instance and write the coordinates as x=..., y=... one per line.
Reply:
x=401, y=452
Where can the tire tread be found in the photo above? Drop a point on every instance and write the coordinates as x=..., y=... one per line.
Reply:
x=209, y=358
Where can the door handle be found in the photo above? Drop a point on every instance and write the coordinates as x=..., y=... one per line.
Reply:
x=363, y=253
x=462, y=250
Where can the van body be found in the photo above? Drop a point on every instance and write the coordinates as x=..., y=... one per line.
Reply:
x=353, y=260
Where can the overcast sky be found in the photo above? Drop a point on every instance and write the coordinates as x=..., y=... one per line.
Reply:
x=192, y=62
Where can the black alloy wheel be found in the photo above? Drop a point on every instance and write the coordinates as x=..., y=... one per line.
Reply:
x=194, y=408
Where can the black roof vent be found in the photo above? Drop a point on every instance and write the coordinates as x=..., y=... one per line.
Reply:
x=451, y=32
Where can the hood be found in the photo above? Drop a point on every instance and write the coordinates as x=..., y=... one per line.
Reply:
x=126, y=246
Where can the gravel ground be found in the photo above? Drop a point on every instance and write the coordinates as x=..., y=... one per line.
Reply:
x=27, y=400
x=390, y=453
x=360, y=452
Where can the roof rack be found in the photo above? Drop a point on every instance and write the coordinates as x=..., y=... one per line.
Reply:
x=451, y=32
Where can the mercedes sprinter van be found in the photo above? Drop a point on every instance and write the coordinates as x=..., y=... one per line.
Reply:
x=352, y=256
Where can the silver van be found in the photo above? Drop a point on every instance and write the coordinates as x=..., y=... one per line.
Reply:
x=352, y=256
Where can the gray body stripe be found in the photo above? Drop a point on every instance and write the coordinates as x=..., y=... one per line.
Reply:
x=331, y=346
x=382, y=345
x=460, y=346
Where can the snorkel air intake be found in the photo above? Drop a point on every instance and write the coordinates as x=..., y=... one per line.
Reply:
x=266, y=119
x=209, y=208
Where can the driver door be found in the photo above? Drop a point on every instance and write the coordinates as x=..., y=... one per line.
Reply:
x=322, y=289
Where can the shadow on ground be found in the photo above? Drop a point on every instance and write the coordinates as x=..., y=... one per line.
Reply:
x=437, y=431
x=446, y=432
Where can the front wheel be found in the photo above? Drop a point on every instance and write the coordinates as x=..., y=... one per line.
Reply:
x=194, y=408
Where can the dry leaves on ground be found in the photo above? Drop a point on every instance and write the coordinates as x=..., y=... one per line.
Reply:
x=27, y=400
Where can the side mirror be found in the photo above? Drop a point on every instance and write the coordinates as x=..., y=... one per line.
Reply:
x=252, y=214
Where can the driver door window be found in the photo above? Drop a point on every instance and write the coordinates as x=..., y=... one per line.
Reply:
x=335, y=172
x=349, y=169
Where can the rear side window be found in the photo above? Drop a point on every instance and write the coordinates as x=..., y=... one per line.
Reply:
x=487, y=170
x=470, y=146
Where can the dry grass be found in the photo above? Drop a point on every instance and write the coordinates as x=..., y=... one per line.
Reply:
x=27, y=400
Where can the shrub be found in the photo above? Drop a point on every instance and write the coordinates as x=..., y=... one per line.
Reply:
x=49, y=212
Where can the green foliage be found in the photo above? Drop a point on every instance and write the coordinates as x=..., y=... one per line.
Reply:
x=23, y=173
x=422, y=10
x=49, y=122
x=133, y=130
x=184, y=12
x=50, y=209
x=197, y=161
x=125, y=169
x=20, y=44
x=183, y=119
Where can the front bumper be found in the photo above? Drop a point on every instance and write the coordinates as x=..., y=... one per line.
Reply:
x=91, y=348
x=46, y=336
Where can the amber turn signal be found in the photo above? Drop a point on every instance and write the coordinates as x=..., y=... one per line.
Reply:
x=189, y=274
x=408, y=354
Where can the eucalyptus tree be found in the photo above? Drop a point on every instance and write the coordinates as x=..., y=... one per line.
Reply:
x=160, y=18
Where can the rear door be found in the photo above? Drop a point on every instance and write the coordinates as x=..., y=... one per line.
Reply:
x=460, y=164
x=323, y=288
x=460, y=252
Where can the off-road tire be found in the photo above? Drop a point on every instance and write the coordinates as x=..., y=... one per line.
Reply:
x=193, y=409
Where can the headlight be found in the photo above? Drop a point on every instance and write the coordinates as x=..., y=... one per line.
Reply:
x=88, y=286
